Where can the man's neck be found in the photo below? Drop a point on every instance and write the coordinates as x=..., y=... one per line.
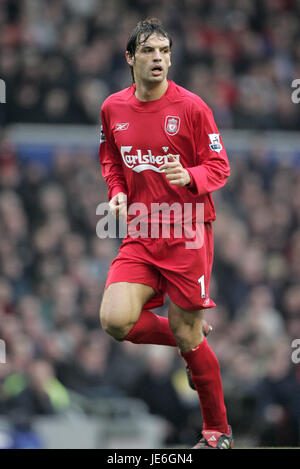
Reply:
x=150, y=93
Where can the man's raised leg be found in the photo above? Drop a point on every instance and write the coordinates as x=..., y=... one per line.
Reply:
x=123, y=317
x=125, y=321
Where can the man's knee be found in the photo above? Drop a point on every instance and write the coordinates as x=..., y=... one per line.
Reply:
x=186, y=334
x=121, y=307
x=115, y=322
x=186, y=327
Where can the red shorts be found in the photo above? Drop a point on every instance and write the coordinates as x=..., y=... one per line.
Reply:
x=169, y=268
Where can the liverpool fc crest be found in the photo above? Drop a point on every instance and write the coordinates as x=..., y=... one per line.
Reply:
x=172, y=124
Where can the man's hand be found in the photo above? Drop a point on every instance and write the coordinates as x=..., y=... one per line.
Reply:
x=175, y=172
x=118, y=205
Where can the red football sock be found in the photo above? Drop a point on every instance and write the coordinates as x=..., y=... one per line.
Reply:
x=205, y=371
x=151, y=329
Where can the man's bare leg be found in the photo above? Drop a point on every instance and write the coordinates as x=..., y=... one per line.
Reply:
x=121, y=307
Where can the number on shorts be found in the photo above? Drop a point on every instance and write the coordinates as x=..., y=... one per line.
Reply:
x=202, y=285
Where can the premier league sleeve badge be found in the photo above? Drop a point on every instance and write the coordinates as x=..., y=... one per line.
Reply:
x=215, y=144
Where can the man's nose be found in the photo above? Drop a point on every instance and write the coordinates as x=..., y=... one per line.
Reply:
x=157, y=55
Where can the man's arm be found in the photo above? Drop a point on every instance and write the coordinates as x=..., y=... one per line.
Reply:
x=110, y=160
x=213, y=169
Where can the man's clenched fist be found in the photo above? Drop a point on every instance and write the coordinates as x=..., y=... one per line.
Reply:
x=175, y=172
x=118, y=205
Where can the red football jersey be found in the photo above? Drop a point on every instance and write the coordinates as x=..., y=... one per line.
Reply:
x=137, y=136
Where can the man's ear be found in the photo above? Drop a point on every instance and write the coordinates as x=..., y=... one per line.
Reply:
x=129, y=58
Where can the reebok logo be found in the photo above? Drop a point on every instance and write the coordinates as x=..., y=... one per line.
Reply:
x=122, y=126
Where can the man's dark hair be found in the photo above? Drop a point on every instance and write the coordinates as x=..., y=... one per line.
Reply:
x=143, y=30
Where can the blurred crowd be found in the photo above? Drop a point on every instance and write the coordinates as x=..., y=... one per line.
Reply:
x=52, y=274
x=60, y=58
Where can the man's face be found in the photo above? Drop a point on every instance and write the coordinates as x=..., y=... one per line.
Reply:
x=152, y=59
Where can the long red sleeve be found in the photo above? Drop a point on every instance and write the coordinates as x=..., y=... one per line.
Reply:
x=111, y=164
x=212, y=169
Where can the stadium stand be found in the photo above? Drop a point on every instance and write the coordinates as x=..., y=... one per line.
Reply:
x=59, y=60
